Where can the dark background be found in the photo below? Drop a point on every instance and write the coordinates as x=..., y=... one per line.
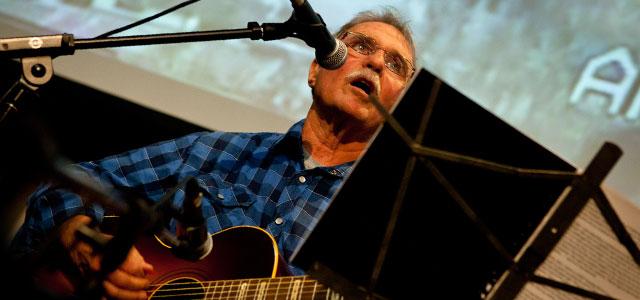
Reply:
x=71, y=121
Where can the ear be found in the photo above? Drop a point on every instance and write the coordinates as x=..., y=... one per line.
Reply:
x=313, y=72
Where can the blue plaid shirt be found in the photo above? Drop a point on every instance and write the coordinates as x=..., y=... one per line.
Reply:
x=250, y=179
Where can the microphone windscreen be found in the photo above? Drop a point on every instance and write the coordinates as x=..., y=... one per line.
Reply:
x=336, y=58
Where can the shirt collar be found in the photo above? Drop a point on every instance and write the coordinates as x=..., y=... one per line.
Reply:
x=339, y=170
x=291, y=143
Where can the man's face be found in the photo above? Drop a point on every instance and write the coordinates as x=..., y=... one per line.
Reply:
x=347, y=89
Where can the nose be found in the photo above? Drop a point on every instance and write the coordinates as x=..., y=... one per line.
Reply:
x=375, y=61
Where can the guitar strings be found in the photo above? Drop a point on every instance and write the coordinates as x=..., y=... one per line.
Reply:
x=223, y=286
x=268, y=290
x=216, y=286
x=304, y=279
x=230, y=296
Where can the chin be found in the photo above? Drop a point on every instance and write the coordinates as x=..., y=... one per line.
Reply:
x=365, y=116
x=356, y=109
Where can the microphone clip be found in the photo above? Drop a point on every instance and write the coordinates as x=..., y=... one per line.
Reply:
x=292, y=27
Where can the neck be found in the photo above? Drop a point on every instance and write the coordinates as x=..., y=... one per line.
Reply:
x=333, y=139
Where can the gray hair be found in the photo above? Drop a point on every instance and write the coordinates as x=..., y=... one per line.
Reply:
x=388, y=15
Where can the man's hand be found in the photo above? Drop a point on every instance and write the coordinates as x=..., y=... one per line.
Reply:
x=126, y=282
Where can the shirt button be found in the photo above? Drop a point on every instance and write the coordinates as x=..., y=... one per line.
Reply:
x=333, y=172
x=220, y=196
x=302, y=179
x=279, y=221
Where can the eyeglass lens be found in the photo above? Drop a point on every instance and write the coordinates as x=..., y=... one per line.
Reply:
x=367, y=46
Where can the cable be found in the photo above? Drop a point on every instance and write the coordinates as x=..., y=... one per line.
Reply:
x=147, y=19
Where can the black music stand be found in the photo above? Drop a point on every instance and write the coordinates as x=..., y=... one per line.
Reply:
x=434, y=208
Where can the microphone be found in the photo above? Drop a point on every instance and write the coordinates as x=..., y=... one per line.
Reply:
x=195, y=241
x=331, y=53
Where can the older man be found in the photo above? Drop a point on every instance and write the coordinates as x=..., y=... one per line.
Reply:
x=280, y=182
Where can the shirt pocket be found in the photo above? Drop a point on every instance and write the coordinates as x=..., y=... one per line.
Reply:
x=230, y=196
x=229, y=204
x=223, y=194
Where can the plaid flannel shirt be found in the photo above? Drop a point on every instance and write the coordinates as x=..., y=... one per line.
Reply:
x=250, y=179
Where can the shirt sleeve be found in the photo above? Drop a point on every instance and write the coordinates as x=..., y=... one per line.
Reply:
x=148, y=171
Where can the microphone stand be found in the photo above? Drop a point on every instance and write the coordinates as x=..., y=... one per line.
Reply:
x=138, y=216
x=37, y=52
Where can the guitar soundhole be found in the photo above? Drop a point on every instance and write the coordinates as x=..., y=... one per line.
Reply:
x=182, y=288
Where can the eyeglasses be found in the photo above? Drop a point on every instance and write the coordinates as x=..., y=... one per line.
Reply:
x=366, y=45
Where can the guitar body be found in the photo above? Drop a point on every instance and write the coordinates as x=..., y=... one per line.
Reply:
x=240, y=252
x=243, y=264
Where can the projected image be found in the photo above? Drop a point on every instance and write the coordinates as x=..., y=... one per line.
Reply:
x=563, y=72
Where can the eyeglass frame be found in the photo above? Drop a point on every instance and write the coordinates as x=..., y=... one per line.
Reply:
x=375, y=49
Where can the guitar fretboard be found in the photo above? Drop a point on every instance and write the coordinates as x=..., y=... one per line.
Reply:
x=288, y=287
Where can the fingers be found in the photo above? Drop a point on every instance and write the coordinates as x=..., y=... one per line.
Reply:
x=68, y=230
x=135, y=264
x=121, y=284
x=116, y=292
x=129, y=281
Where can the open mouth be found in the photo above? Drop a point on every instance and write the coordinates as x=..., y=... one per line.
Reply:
x=363, y=84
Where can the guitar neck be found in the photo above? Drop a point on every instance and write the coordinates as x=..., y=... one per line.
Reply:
x=287, y=287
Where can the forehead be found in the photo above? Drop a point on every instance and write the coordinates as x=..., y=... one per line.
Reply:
x=387, y=36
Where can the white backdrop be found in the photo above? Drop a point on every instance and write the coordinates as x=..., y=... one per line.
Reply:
x=563, y=72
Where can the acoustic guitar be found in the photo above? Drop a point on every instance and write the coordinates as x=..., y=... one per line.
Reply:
x=244, y=264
